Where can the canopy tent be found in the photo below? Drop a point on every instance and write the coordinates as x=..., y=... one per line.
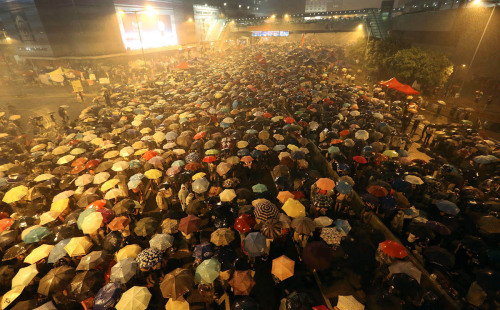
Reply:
x=183, y=65
x=397, y=85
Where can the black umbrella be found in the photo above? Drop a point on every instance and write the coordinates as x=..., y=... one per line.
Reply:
x=439, y=256
x=25, y=304
x=146, y=226
x=245, y=303
x=62, y=232
x=489, y=280
x=16, y=251
x=226, y=256
x=56, y=280
x=7, y=237
x=7, y=272
x=23, y=222
x=86, y=284
x=112, y=242
x=125, y=206
x=406, y=287
x=72, y=218
x=84, y=201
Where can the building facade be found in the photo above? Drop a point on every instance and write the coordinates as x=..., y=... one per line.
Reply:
x=314, y=6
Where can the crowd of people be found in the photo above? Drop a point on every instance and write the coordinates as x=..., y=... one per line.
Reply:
x=250, y=180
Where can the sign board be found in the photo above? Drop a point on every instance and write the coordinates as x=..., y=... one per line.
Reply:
x=92, y=76
x=103, y=81
x=270, y=33
x=77, y=85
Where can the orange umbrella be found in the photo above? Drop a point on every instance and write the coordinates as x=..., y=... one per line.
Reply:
x=344, y=132
x=79, y=162
x=77, y=169
x=289, y=120
x=325, y=184
x=284, y=196
x=242, y=282
x=119, y=223
x=5, y=223
x=149, y=154
x=283, y=267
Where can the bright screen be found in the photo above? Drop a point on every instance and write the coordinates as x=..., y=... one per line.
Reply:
x=157, y=28
x=270, y=33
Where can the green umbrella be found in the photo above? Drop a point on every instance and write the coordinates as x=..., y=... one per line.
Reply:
x=36, y=235
x=207, y=271
x=259, y=188
x=391, y=153
x=212, y=152
x=146, y=226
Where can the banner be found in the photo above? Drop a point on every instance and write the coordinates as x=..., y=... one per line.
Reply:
x=77, y=85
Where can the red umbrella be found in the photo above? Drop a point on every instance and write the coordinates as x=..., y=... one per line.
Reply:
x=337, y=141
x=267, y=115
x=393, y=249
x=344, y=132
x=289, y=120
x=189, y=224
x=92, y=163
x=360, y=159
x=244, y=223
x=200, y=135
x=378, y=191
x=193, y=166
x=98, y=204
x=209, y=159
x=107, y=214
x=77, y=169
x=5, y=223
x=73, y=142
x=79, y=161
x=149, y=154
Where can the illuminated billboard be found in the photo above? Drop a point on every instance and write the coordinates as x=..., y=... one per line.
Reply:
x=270, y=33
x=149, y=27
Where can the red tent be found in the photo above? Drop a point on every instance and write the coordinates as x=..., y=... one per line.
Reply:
x=397, y=85
x=183, y=65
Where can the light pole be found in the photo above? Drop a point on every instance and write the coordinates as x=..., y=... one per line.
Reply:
x=477, y=2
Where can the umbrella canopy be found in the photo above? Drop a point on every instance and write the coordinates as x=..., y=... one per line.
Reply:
x=242, y=282
x=189, y=224
x=161, y=241
x=148, y=258
x=283, y=267
x=393, y=249
x=255, y=244
x=10, y=296
x=128, y=251
x=349, y=303
x=124, y=270
x=15, y=194
x=200, y=185
x=136, y=298
x=146, y=226
x=325, y=184
x=92, y=222
x=406, y=268
x=107, y=295
x=303, y=225
x=78, y=246
x=447, y=207
x=56, y=280
x=222, y=236
x=85, y=284
x=265, y=210
x=38, y=253
x=207, y=271
x=317, y=255
x=294, y=208
x=24, y=276
x=176, y=283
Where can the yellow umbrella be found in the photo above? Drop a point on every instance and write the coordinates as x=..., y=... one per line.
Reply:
x=138, y=145
x=127, y=151
x=38, y=147
x=44, y=177
x=63, y=195
x=92, y=222
x=65, y=159
x=294, y=208
x=177, y=304
x=146, y=130
x=97, y=141
x=131, y=250
x=115, y=193
x=78, y=246
x=24, y=276
x=153, y=174
x=292, y=147
x=111, y=154
x=284, y=196
x=77, y=151
x=10, y=296
x=6, y=167
x=59, y=205
x=15, y=194
x=61, y=150
x=38, y=254
x=49, y=216
x=241, y=144
x=199, y=175
x=262, y=148
x=109, y=184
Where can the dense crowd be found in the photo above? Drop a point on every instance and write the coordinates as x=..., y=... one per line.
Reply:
x=250, y=179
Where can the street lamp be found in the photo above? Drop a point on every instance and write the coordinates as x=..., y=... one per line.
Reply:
x=149, y=11
x=476, y=3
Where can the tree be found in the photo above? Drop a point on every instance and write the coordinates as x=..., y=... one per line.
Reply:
x=430, y=69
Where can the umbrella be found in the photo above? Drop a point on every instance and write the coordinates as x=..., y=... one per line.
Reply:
x=24, y=276
x=331, y=235
x=254, y=244
x=145, y=226
x=377, y=191
x=91, y=261
x=393, y=249
x=283, y=267
x=200, y=185
x=222, y=236
x=303, y=225
x=161, y=241
x=406, y=268
x=203, y=251
x=38, y=253
x=349, y=303
x=325, y=184
x=440, y=256
x=58, y=251
x=85, y=284
x=15, y=194
x=317, y=255
x=265, y=210
x=107, y=296
x=7, y=237
x=294, y=208
x=7, y=272
x=343, y=187
x=244, y=223
x=207, y=271
x=124, y=270
x=35, y=234
x=447, y=207
x=227, y=195
x=128, y=251
x=259, y=188
x=284, y=196
x=242, y=282
x=149, y=258
x=412, y=179
x=223, y=168
x=84, y=180
x=362, y=135
x=78, y=246
x=189, y=224
x=83, y=215
x=177, y=304
x=92, y=222
x=136, y=298
x=153, y=174
x=176, y=283
x=342, y=225
x=56, y=280
x=10, y=296
x=101, y=177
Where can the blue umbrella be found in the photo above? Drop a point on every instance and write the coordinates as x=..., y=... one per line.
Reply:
x=203, y=251
x=83, y=215
x=235, y=104
x=255, y=244
x=447, y=207
x=149, y=257
x=367, y=148
x=58, y=251
x=107, y=296
x=36, y=234
x=388, y=203
x=343, y=187
x=224, y=125
x=342, y=225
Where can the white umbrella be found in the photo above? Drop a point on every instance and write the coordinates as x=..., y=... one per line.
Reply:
x=24, y=276
x=349, y=303
x=136, y=298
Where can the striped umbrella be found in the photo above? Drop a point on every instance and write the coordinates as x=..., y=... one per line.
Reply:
x=265, y=210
